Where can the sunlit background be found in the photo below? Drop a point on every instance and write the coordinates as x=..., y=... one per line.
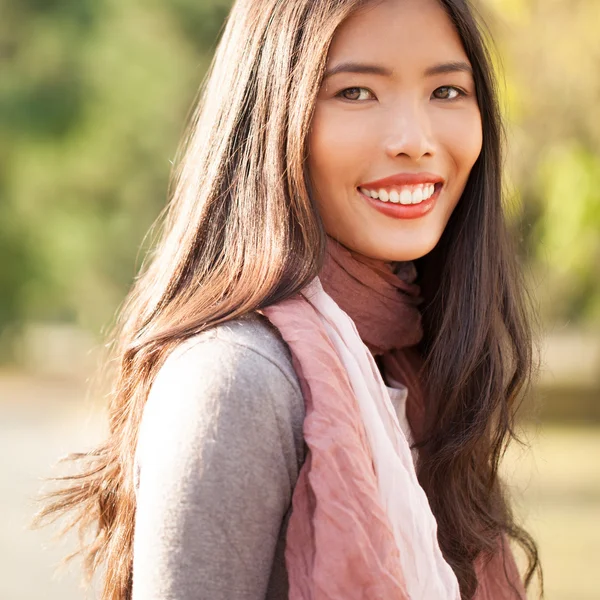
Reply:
x=93, y=99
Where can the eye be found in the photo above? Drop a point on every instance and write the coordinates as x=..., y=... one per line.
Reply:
x=355, y=94
x=449, y=92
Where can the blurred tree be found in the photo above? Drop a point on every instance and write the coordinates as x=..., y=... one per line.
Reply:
x=551, y=59
x=41, y=99
x=93, y=99
x=200, y=21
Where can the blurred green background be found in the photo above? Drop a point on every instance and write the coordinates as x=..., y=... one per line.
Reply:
x=94, y=96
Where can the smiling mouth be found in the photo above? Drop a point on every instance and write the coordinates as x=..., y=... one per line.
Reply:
x=403, y=194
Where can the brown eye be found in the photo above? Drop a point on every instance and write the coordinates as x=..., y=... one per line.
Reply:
x=449, y=92
x=355, y=93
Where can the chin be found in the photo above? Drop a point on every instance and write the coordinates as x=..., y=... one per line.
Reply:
x=398, y=248
x=403, y=254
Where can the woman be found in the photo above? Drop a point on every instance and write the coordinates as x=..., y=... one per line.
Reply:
x=278, y=354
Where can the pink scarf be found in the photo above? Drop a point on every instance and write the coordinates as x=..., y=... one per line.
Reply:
x=361, y=526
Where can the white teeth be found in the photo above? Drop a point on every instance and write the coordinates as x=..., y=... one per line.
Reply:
x=370, y=193
x=406, y=195
x=417, y=195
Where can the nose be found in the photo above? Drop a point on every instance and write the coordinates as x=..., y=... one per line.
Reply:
x=409, y=132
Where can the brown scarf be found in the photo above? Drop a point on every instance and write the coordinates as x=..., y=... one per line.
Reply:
x=383, y=301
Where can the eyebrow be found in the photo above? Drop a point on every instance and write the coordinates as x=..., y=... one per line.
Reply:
x=457, y=66
x=361, y=68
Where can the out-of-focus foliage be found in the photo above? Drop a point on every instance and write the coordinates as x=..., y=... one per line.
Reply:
x=551, y=62
x=93, y=99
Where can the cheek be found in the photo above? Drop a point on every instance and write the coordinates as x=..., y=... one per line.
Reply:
x=462, y=138
x=338, y=147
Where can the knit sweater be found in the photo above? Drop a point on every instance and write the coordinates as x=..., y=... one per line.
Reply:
x=218, y=456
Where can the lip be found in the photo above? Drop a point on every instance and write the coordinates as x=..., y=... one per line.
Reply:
x=403, y=179
x=404, y=211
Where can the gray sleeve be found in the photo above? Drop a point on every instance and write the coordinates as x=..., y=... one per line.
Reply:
x=216, y=465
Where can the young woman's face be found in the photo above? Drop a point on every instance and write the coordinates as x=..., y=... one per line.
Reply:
x=396, y=121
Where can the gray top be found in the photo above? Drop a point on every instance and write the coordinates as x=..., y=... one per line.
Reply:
x=218, y=456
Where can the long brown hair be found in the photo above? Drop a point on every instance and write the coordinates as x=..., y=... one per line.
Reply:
x=241, y=232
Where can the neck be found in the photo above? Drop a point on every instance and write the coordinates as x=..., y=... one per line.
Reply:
x=380, y=297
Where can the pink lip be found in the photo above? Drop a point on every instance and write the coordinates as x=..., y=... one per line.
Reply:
x=404, y=211
x=403, y=179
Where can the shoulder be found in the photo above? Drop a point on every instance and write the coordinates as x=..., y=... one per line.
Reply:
x=248, y=349
x=233, y=382
x=219, y=452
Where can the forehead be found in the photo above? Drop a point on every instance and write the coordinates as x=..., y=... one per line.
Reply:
x=398, y=33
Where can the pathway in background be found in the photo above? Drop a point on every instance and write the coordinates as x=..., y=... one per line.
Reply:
x=557, y=487
x=557, y=492
x=40, y=421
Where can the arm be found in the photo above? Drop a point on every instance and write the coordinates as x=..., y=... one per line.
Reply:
x=217, y=466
